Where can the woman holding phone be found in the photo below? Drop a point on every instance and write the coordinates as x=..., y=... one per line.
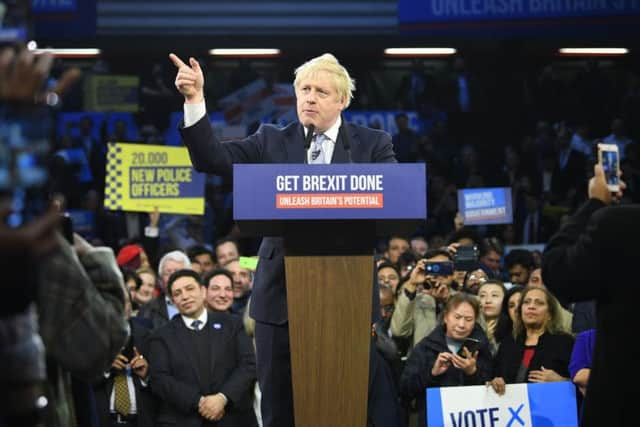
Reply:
x=455, y=354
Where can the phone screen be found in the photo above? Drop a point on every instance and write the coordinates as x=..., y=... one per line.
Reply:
x=471, y=344
x=610, y=161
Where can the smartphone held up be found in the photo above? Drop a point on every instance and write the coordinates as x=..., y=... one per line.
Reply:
x=609, y=159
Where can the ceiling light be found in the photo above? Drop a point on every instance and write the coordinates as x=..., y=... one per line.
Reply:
x=419, y=51
x=70, y=52
x=245, y=52
x=593, y=51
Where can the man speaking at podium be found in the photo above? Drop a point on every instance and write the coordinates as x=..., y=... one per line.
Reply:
x=323, y=90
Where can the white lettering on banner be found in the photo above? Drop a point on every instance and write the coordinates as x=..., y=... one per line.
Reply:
x=476, y=7
x=490, y=212
x=489, y=8
x=324, y=182
x=562, y=6
x=366, y=183
x=287, y=182
x=479, y=200
x=481, y=406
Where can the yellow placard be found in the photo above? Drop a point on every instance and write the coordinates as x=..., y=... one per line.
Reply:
x=141, y=177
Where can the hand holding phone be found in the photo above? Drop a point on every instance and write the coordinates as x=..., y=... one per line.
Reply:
x=471, y=344
x=609, y=159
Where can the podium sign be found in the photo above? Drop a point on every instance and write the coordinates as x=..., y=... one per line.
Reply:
x=343, y=191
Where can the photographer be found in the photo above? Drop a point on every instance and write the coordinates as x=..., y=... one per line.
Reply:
x=65, y=302
x=592, y=256
x=422, y=296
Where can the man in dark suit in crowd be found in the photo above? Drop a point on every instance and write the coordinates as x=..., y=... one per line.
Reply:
x=132, y=368
x=202, y=364
x=594, y=256
x=323, y=90
x=161, y=309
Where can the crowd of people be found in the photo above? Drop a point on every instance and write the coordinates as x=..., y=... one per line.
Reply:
x=177, y=343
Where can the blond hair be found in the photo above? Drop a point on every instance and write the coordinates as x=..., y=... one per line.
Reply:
x=344, y=84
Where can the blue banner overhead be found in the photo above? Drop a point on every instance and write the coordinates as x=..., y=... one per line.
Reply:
x=411, y=11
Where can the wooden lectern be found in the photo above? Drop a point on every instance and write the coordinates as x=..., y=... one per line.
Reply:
x=329, y=271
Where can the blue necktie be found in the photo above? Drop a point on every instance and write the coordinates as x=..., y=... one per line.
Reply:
x=196, y=324
x=317, y=149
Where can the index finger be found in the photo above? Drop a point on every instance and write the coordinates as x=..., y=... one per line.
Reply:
x=176, y=61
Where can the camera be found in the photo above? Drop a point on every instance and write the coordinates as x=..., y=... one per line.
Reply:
x=439, y=268
x=466, y=258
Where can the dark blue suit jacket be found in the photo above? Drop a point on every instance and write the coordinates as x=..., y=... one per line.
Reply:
x=174, y=377
x=271, y=144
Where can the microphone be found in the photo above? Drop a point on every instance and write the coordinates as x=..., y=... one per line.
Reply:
x=307, y=141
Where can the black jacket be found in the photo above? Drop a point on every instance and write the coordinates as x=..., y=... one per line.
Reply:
x=176, y=381
x=595, y=255
x=417, y=372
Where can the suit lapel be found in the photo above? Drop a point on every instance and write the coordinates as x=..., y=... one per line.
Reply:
x=295, y=144
x=182, y=337
x=339, y=153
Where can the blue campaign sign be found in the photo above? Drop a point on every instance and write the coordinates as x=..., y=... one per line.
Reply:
x=480, y=206
x=434, y=11
x=531, y=405
x=335, y=191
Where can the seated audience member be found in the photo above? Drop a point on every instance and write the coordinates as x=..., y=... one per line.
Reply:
x=508, y=313
x=226, y=249
x=242, y=285
x=202, y=363
x=201, y=258
x=131, y=282
x=473, y=280
x=132, y=257
x=441, y=359
x=161, y=309
x=382, y=336
x=582, y=360
x=123, y=396
x=539, y=349
x=396, y=246
x=388, y=275
x=491, y=251
x=419, y=246
x=519, y=264
x=219, y=283
x=491, y=295
x=147, y=289
x=421, y=299
x=535, y=279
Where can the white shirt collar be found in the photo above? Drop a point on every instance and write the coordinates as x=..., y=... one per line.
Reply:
x=331, y=133
x=189, y=320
